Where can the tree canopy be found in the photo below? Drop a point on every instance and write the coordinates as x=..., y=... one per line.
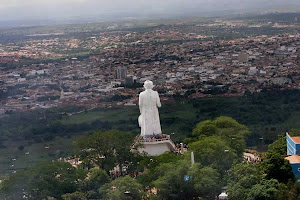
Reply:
x=217, y=144
x=213, y=151
x=241, y=178
x=107, y=149
x=276, y=167
x=228, y=129
x=266, y=190
x=124, y=188
x=182, y=181
x=47, y=179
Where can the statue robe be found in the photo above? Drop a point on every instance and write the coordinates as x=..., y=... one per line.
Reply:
x=149, y=119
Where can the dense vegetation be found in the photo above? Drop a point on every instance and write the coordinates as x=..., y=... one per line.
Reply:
x=266, y=114
x=217, y=144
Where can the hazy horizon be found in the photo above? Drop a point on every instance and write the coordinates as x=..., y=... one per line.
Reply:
x=119, y=9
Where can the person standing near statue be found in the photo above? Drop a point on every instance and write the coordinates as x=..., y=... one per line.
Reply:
x=149, y=103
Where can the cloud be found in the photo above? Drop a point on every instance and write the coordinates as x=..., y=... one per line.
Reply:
x=20, y=3
x=41, y=9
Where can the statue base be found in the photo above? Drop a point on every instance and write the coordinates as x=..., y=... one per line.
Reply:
x=154, y=145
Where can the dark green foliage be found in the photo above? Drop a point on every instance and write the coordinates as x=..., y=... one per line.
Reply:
x=269, y=108
x=51, y=179
x=214, y=152
x=97, y=178
x=152, y=164
x=180, y=117
x=173, y=182
x=266, y=190
x=271, y=179
x=133, y=85
x=116, y=98
x=74, y=196
x=91, y=185
x=276, y=167
x=290, y=191
x=11, y=188
x=228, y=129
x=241, y=178
x=279, y=146
x=107, y=149
x=125, y=188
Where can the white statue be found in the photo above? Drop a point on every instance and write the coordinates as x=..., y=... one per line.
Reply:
x=149, y=102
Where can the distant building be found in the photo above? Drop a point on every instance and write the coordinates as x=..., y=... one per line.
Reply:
x=120, y=72
x=293, y=152
x=243, y=57
x=252, y=71
x=280, y=81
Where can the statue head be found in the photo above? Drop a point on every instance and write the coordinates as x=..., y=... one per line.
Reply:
x=148, y=84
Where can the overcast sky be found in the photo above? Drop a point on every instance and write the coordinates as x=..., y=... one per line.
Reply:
x=67, y=9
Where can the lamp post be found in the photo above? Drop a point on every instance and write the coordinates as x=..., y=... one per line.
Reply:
x=192, y=158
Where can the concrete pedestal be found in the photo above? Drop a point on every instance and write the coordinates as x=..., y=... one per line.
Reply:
x=156, y=147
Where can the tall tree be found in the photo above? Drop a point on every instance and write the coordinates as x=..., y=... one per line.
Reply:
x=107, y=150
x=91, y=185
x=228, y=129
x=213, y=151
x=276, y=167
x=279, y=146
x=241, y=178
x=182, y=181
x=266, y=190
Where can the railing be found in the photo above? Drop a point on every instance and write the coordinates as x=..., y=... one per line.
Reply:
x=154, y=140
x=140, y=139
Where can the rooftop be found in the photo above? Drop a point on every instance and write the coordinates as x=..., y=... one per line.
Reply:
x=294, y=159
x=295, y=139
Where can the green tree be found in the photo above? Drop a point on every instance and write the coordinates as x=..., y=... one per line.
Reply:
x=96, y=179
x=240, y=178
x=276, y=167
x=47, y=179
x=229, y=129
x=279, y=146
x=152, y=164
x=181, y=181
x=91, y=185
x=206, y=127
x=266, y=190
x=107, y=150
x=124, y=188
x=214, y=152
x=12, y=187
x=290, y=191
x=54, y=179
x=74, y=196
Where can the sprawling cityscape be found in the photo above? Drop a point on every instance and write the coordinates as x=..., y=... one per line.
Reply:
x=200, y=105
x=179, y=63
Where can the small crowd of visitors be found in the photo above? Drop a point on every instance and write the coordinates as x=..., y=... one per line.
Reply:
x=155, y=137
